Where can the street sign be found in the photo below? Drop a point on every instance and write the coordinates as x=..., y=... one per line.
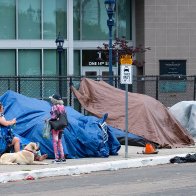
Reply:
x=126, y=62
x=126, y=74
x=126, y=59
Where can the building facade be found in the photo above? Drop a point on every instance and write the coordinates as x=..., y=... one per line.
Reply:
x=168, y=28
x=29, y=28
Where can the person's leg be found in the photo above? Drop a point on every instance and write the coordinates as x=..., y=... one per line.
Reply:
x=16, y=144
x=60, y=146
x=55, y=140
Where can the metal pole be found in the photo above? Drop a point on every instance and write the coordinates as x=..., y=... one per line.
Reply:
x=110, y=55
x=126, y=121
x=60, y=74
x=157, y=88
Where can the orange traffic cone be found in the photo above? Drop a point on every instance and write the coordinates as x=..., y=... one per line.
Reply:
x=150, y=149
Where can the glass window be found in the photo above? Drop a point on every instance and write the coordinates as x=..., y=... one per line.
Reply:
x=29, y=62
x=76, y=19
x=7, y=62
x=50, y=68
x=29, y=19
x=90, y=20
x=54, y=18
x=124, y=19
x=77, y=63
x=50, y=65
x=7, y=19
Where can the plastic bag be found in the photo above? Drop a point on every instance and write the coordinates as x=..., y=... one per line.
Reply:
x=46, y=130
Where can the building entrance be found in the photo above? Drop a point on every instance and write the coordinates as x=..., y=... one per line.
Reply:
x=97, y=71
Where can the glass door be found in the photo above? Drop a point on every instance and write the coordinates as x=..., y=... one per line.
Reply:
x=97, y=71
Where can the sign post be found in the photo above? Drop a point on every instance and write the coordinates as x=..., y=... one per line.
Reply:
x=126, y=74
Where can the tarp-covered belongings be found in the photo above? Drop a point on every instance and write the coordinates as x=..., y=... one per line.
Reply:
x=185, y=113
x=189, y=158
x=82, y=138
x=148, y=118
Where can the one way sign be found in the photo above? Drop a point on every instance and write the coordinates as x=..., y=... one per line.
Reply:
x=126, y=74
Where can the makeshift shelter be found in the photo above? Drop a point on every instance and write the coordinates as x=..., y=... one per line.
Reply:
x=147, y=117
x=185, y=113
x=82, y=138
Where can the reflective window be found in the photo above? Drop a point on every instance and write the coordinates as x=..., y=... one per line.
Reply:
x=124, y=19
x=90, y=20
x=7, y=19
x=77, y=69
x=50, y=64
x=29, y=62
x=7, y=62
x=50, y=68
x=29, y=19
x=54, y=18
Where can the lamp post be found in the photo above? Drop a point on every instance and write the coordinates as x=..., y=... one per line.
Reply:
x=59, y=43
x=110, y=5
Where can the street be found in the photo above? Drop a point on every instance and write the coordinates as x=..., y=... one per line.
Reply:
x=172, y=179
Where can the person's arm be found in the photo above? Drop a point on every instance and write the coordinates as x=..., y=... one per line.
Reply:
x=6, y=123
x=54, y=112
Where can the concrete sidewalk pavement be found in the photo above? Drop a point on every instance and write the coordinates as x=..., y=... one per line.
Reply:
x=88, y=165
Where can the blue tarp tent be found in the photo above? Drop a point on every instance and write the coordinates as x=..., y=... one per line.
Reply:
x=82, y=138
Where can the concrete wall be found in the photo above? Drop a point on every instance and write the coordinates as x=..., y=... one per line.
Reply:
x=170, y=31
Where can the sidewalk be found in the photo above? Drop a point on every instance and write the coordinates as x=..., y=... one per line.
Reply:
x=88, y=165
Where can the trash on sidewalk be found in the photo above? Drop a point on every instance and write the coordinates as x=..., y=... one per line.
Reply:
x=188, y=158
x=29, y=177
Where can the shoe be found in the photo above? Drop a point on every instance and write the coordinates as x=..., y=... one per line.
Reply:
x=63, y=160
x=56, y=161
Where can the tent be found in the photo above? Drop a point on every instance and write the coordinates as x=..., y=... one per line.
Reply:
x=148, y=118
x=185, y=113
x=82, y=138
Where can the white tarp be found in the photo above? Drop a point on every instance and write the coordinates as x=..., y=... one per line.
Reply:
x=185, y=113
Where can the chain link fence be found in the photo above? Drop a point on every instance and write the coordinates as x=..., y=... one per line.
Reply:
x=169, y=90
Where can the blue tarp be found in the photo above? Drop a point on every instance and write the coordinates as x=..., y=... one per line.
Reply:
x=82, y=138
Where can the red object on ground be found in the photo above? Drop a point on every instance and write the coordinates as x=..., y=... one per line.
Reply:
x=29, y=178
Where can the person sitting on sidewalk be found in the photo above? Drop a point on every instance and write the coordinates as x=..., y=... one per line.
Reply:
x=12, y=142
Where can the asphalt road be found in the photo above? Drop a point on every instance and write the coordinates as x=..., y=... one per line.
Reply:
x=170, y=180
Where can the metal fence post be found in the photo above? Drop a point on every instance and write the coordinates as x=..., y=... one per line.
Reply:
x=19, y=84
x=9, y=86
x=70, y=94
x=157, y=88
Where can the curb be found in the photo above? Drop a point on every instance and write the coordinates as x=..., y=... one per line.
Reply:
x=85, y=169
